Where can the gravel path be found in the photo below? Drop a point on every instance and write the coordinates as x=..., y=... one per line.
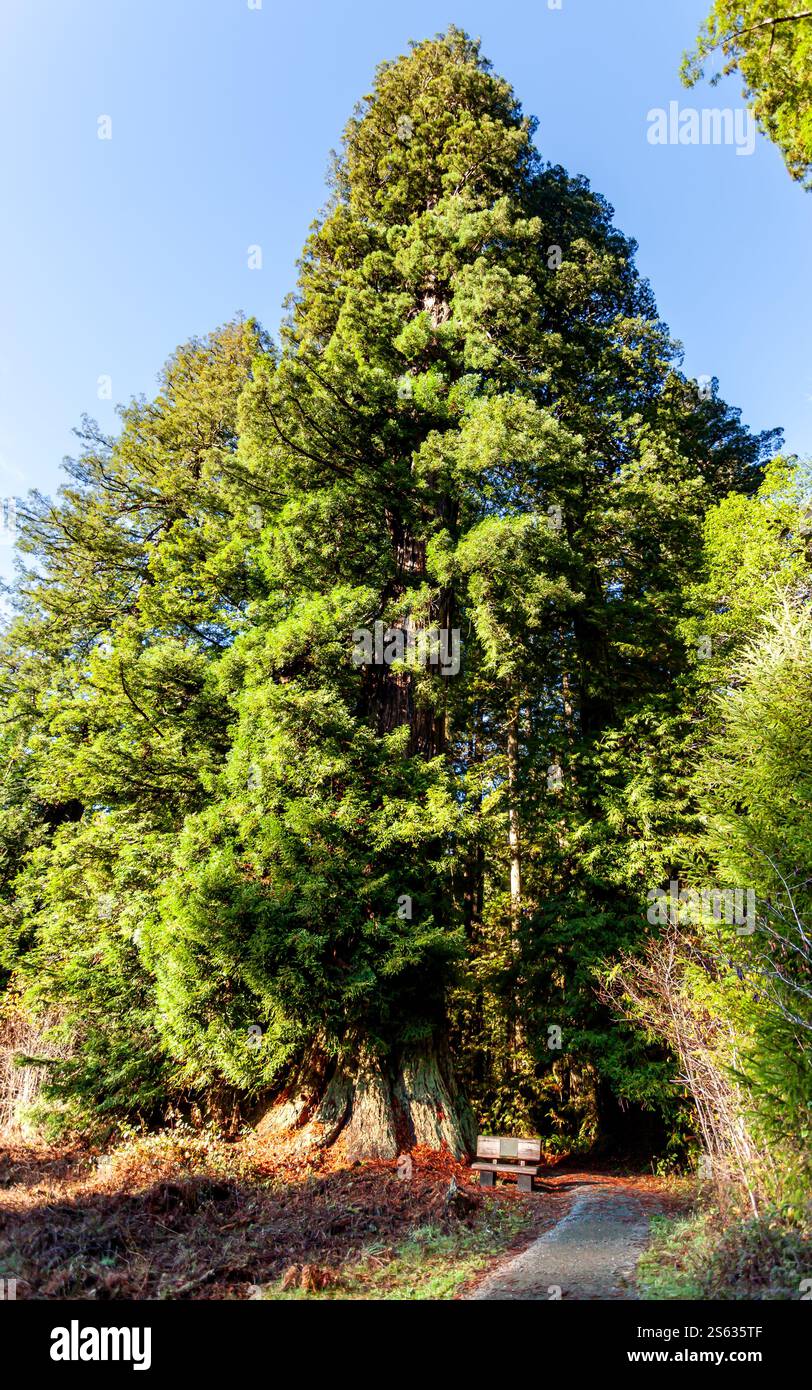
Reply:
x=592, y=1252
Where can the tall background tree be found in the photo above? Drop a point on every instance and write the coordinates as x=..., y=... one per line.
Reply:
x=134, y=581
x=731, y=994
x=769, y=42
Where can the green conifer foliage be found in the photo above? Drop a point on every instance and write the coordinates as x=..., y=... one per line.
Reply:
x=475, y=424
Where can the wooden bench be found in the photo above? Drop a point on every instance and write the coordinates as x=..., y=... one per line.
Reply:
x=513, y=1158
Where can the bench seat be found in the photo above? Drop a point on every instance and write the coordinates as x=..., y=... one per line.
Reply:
x=523, y=1173
x=484, y=1166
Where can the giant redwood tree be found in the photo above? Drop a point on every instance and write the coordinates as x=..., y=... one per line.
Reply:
x=473, y=424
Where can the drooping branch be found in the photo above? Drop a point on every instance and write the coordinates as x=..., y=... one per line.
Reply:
x=765, y=24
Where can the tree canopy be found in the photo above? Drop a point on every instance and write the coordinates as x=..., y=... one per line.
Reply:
x=769, y=42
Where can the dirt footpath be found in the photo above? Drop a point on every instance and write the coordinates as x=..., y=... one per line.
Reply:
x=590, y=1253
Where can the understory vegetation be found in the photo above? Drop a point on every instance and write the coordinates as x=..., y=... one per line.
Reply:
x=727, y=1254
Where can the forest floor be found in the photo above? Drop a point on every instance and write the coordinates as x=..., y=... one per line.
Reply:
x=184, y=1216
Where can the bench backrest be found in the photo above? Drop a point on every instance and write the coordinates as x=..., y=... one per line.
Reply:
x=503, y=1146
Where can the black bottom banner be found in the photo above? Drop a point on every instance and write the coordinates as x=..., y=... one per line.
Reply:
x=79, y=1341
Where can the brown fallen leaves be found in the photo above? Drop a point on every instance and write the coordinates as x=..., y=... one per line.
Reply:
x=310, y=1278
x=185, y=1216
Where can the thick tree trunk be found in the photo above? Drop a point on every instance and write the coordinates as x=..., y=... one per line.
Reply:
x=375, y=1109
x=371, y=1106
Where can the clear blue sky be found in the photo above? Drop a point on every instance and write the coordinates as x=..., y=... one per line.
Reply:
x=113, y=252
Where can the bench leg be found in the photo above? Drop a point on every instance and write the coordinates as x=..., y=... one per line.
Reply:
x=525, y=1181
x=486, y=1179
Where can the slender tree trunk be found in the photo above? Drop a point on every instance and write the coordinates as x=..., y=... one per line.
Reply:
x=514, y=837
x=594, y=686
